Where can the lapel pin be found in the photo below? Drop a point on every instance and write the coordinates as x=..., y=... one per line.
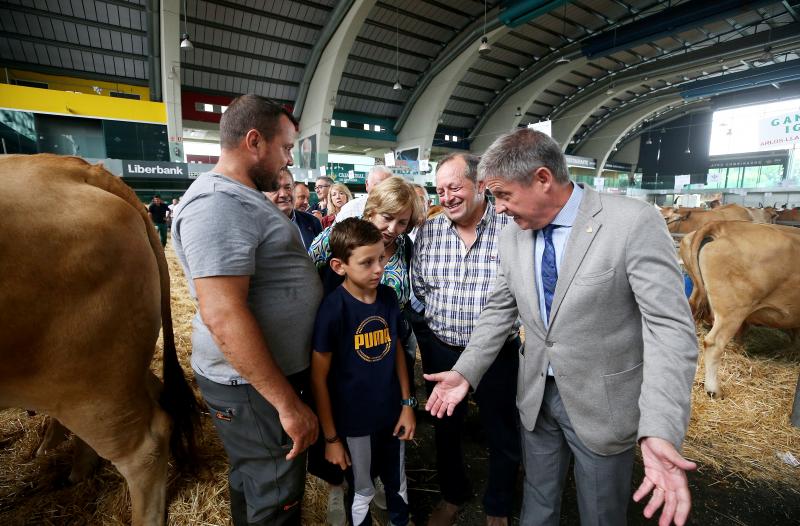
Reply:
x=589, y=229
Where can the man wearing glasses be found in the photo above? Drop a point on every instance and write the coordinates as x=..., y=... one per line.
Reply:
x=321, y=187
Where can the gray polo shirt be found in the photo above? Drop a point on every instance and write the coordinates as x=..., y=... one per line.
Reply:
x=224, y=228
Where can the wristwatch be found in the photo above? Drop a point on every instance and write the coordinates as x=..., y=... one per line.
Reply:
x=411, y=402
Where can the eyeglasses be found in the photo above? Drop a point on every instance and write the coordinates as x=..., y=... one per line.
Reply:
x=322, y=186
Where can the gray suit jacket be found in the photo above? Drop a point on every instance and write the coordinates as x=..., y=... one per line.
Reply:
x=621, y=339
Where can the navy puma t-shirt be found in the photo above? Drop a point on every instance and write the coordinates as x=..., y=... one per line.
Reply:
x=363, y=385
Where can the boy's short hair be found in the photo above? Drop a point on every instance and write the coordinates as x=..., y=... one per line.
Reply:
x=350, y=234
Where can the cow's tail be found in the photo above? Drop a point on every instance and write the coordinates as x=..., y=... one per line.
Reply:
x=177, y=397
x=690, y=253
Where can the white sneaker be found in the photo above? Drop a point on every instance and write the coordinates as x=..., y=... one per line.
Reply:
x=336, y=513
x=380, y=494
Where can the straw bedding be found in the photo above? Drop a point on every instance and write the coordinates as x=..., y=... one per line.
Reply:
x=738, y=435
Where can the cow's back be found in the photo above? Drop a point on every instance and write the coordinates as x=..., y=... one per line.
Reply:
x=696, y=218
x=78, y=272
x=743, y=267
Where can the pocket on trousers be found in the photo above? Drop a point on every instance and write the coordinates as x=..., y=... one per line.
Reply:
x=242, y=422
x=622, y=390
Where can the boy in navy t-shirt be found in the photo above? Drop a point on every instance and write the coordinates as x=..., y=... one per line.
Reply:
x=358, y=374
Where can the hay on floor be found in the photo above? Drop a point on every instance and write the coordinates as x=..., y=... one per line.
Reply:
x=742, y=433
x=738, y=435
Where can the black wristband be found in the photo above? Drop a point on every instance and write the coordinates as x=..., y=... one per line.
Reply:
x=332, y=440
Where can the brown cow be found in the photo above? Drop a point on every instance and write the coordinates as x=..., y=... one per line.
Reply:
x=85, y=290
x=763, y=214
x=685, y=220
x=792, y=215
x=741, y=277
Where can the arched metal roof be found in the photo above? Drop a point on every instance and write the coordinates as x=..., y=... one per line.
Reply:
x=267, y=47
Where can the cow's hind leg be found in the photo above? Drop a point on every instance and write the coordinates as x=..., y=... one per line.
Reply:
x=135, y=438
x=145, y=470
x=54, y=434
x=84, y=461
x=84, y=458
x=725, y=327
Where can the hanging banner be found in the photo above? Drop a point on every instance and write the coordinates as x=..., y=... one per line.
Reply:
x=681, y=181
x=308, y=152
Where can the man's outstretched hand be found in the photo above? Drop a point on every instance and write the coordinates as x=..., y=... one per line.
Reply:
x=665, y=476
x=450, y=389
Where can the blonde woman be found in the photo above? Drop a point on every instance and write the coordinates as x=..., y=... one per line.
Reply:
x=338, y=195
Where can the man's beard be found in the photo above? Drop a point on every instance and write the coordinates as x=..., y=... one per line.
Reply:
x=264, y=181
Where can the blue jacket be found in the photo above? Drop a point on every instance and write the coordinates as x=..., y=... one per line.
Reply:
x=309, y=226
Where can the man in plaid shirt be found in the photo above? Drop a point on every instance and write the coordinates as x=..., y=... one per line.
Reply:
x=453, y=273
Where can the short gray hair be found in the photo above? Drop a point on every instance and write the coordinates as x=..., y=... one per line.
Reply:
x=517, y=155
x=381, y=168
x=377, y=173
x=470, y=160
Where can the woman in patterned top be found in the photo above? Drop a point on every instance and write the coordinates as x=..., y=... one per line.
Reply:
x=393, y=207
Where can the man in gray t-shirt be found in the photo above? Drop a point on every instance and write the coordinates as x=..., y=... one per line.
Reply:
x=257, y=294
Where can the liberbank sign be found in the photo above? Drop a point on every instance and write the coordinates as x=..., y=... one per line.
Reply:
x=156, y=170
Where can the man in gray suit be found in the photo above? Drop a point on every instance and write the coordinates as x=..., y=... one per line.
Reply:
x=610, y=348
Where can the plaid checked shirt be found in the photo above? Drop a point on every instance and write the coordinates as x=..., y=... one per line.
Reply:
x=452, y=282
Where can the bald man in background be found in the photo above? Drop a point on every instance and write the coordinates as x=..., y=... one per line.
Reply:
x=355, y=208
x=302, y=195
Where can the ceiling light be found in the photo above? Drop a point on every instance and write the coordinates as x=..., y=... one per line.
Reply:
x=185, y=42
x=485, y=47
x=688, y=150
x=562, y=60
x=397, y=86
x=518, y=113
x=610, y=91
x=649, y=141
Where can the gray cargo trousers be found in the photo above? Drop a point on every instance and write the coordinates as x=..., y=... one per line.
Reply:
x=265, y=488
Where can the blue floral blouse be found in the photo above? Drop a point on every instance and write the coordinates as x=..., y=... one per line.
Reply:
x=395, y=273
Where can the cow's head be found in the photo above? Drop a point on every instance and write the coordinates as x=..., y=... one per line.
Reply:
x=772, y=213
x=674, y=215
